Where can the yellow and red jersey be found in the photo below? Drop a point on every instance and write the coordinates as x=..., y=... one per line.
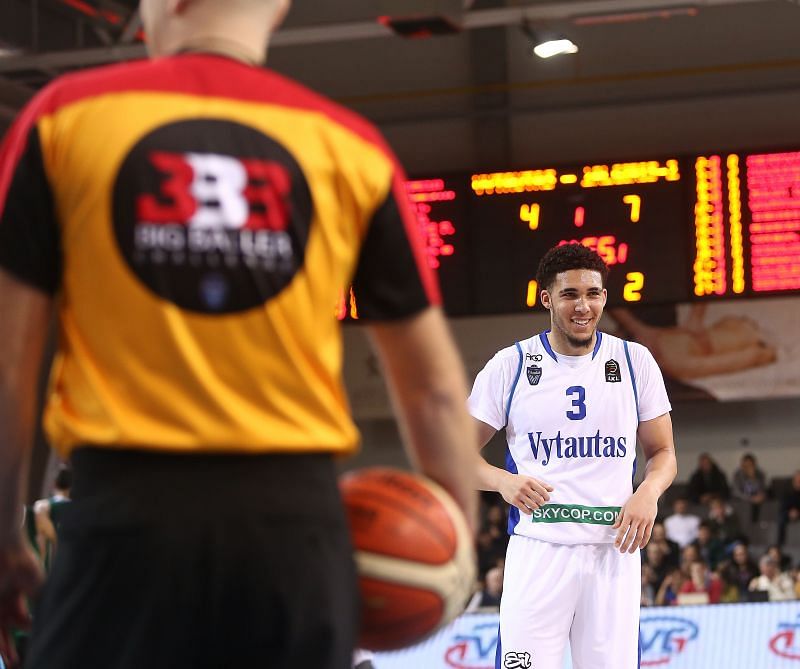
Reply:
x=197, y=218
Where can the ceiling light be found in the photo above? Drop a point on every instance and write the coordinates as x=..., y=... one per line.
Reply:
x=554, y=47
x=548, y=45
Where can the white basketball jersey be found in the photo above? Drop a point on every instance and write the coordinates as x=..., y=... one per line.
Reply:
x=571, y=421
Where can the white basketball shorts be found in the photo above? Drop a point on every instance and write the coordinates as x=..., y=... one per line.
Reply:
x=588, y=594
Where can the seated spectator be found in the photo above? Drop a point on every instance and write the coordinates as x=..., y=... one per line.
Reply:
x=790, y=507
x=648, y=597
x=497, y=521
x=778, y=584
x=724, y=522
x=682, y=526
x=741, y=569
x=750, y=484
x=710, y=549
x=783, y=561
x=689, y=554
x=667, y=594
x=707, y=481
x=796, y=574
x=655, y=558
x=488, y=551
x=730, y=591
x=701, y=580
x=489, y=595
x=672, y=552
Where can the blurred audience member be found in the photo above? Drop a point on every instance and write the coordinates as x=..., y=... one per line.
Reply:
x=711, y=549
x=741, y=569
x=707, y=481
x=648, y=597
x=776, y=583
x=672, y=552
x=750, y=484
x=790, y=507
x=667, y=594
x=724, y=522
x=783, y=561
x=497, y=517
x=730, y=590
x=490, y=593
x=656, y=559
x=488, y=549
x=689, y=554
x=702, y=581
x=681, y=527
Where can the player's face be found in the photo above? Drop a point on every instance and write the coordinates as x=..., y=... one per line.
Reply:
x=576, y=301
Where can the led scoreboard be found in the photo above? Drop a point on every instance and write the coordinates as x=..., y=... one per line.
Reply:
x=720, y=225
x=630, y=213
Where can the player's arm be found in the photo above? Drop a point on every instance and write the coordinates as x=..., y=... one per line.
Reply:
x=635, y=522
x=427, y=384
x=524, y=492
x=24, y=318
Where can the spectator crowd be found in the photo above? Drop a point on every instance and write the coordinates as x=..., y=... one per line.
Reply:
x=716, y=540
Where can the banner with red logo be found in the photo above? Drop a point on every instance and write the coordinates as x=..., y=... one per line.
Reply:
x=733, y=636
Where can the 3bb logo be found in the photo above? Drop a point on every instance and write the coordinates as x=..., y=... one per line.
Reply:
x=212, y=215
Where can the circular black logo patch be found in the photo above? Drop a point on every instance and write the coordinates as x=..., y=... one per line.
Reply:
x=212, y=215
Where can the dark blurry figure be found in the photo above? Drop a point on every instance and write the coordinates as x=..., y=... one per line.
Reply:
x=750, y=484
x=790, y=507
x=707, y=481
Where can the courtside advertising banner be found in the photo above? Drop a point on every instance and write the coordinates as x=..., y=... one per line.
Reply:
x=733, y=636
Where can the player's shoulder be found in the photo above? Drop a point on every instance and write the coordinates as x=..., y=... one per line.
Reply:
x=634, y=349
x=75, y=87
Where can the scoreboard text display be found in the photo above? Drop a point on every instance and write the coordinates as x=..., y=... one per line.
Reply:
x=674, y=230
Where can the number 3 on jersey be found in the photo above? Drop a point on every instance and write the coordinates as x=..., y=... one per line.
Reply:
x=578, y=394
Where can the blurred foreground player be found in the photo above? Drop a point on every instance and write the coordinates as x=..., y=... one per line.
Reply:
x=193, y=218
x=573, y=401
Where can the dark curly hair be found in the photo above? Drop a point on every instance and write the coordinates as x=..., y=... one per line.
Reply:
x=566, y=257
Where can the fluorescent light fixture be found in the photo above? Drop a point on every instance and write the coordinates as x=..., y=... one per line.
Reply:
x=555, y=47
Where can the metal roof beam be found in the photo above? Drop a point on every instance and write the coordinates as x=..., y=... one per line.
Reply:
x=343, y=32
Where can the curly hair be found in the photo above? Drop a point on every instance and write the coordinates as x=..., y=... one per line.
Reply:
x=566, y=257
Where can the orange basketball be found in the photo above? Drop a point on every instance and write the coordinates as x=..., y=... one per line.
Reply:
x=415, y=555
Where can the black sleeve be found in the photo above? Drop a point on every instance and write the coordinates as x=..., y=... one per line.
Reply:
x=30, y=241
x=392, y=280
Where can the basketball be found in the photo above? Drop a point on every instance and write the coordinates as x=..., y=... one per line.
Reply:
x=414, y=553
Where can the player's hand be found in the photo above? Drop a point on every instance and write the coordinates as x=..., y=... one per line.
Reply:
x=635, y=520
x=525, y=492
x=20, y=576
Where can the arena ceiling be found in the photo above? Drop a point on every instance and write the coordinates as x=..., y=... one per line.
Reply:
x=663, y=76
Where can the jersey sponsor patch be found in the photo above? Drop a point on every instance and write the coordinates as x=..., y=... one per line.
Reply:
x=575, y=513
x=613, y=373
x=534, y=374
x=211, y=228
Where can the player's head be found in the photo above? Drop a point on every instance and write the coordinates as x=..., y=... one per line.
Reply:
x=572, y=281
x=239, y=27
